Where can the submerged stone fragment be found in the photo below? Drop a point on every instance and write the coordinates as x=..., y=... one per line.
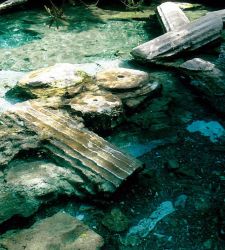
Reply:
x=207, y=79
x=92, y=165
x=100, y=111
x=28, y=185
x=121, y=79
x=131, y=86
x=61, y=231
x=171, y=16
x=188, y=37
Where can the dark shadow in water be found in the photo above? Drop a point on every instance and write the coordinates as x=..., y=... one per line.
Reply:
x=82, y=18
x=152, y=27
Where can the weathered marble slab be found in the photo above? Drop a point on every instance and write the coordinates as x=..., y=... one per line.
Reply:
x=171, y=16
x=189, y=37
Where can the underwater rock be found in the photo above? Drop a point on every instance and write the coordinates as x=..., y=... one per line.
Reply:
x=171, y=16
x=28, y=184
x=13, y=203
x=61, y=231
x=14, y=137
x=208, y=80
x=58, y=80
x=172, y=164
x=116, y=221
x=99, y=111
x=131, y=86
x=189, y=37
x=155, y=117
x=6, y=5
x=100, y=164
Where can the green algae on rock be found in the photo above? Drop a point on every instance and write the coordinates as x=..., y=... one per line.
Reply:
x=58, y=80
x=116, y=221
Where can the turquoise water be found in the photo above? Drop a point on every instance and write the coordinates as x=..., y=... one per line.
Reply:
x=27, y=42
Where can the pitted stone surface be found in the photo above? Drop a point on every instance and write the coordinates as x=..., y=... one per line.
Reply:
x=121, y=79
x=88, y=103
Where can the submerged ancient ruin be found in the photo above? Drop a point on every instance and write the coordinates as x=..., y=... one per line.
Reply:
x=55, y=140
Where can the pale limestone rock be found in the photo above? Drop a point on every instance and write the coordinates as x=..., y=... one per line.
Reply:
x=61, y=231
x=58, y=80
x=28, y=184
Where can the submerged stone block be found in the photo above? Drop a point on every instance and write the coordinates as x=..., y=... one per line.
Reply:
x=207, y=79
x=99, y=111
x=131, y=86
x=61, y=231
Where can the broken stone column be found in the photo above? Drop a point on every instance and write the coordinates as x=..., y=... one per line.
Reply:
x=189, y=37
x=171, y=16
x=220, y=13
x=203, y=75
x=102, y=166
x=80, y=163
x=100, y=99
